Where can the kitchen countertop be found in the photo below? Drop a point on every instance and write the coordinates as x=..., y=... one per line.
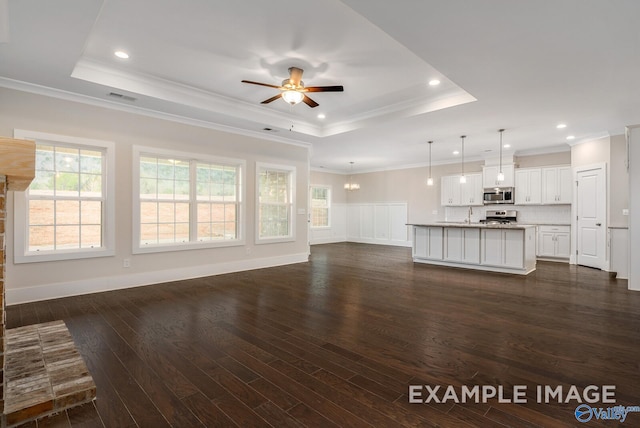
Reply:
x=473, y=225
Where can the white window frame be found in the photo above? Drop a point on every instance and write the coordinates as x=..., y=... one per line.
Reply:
x=141, y=151
x=329, y=191
x=291, y=170
x=21, y=235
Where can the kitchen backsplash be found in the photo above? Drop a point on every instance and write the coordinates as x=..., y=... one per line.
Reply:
x=527, y=214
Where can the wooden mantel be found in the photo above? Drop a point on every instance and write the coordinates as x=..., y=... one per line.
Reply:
x=17, y=162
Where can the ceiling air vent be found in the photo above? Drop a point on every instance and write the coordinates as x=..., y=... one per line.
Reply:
x=121, y=96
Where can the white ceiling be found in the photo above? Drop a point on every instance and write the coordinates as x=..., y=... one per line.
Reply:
x=523, y=65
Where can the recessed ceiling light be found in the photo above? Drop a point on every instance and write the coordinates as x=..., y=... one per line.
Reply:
x=456, y=152
x=321, y=116
x=561, y=125
x=571, y=137
x=121, y=54
x=434, y=82
x=506, y=146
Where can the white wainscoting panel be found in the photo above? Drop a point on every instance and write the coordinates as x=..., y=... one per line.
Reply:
x=378, y=223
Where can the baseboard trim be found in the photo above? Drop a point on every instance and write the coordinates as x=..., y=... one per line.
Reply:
x=41, y=292
x=379, y=242
x=332, y=240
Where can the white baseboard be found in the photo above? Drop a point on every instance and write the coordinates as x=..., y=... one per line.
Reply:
x=379, y=242
x=36, y=293
x=330, y=240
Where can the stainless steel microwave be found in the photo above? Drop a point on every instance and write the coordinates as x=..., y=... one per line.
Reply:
x=499, y=195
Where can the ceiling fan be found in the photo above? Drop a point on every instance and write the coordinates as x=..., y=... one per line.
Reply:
x=293, y=89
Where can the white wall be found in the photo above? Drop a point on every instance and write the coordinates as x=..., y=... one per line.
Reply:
x=36, y=281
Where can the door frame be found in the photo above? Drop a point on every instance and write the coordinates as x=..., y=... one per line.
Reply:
x=573, y=259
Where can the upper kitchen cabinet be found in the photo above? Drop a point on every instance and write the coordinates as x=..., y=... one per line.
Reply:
x=556, y=185
x=472, y=191
x=528, y=186
x=454, y=193
x=450, y=190
x=490, y=176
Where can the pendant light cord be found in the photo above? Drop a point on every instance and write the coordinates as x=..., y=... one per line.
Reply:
x=463, y=137
x=501, y=131
x=430, y=142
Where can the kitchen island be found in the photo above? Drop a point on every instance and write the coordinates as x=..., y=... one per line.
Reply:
x=508, y=248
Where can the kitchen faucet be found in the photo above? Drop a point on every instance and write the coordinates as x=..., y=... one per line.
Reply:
x=469, y=215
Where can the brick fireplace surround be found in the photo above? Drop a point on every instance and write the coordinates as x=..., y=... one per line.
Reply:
x=42, y=371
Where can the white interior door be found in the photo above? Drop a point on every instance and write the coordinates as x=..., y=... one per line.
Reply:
x=591, y=215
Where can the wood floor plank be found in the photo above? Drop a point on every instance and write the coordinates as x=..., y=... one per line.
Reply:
x=209, y=414
x=337, y=342
x=310, y=418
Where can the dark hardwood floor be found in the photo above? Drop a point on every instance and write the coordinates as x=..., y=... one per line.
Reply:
x=338, y=341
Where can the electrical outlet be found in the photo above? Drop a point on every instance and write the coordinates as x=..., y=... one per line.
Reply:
x=625, y=211
x=434, y=212
x=126, y=263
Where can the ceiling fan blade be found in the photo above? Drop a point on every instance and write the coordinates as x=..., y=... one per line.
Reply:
x=272, y=99
x=324, y=89
x=308, y=101
x=262, y=84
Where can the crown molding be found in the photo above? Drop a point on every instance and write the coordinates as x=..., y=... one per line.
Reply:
x=98, y=102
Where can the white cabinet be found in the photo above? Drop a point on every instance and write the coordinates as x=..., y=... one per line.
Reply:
x=528, y=186
x=489, y=248
x=503, y=248
x=472, y=191
x=554, y=241
x=454, y=193
x=427, y=243
x=462, y=245
x=556, y=185
x=490, y=176
x=450, y=190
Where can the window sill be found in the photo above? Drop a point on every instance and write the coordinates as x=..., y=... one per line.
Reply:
x=61, y=255
x=260, y=241
x=200, y=245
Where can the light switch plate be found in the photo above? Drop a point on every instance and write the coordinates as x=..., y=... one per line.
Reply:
x=625, y=211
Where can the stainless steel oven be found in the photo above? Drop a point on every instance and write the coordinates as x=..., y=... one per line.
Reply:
x=499, y=195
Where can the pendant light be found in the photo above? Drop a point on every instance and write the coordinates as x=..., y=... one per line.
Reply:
x=463, y=179
x=430, y=179
x=350, y=185
x=500, y=173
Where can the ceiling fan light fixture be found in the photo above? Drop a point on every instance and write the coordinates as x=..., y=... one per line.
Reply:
x=292, y=97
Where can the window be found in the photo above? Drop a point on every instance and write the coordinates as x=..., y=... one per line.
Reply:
x=218, y=203
x=320, y=206
x=186, y=201
x=67, y=211
x=275, y=185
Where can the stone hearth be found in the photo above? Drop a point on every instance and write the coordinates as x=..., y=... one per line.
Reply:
x=42, y=372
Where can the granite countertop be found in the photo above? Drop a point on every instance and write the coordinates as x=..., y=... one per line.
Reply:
x=473, y=225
